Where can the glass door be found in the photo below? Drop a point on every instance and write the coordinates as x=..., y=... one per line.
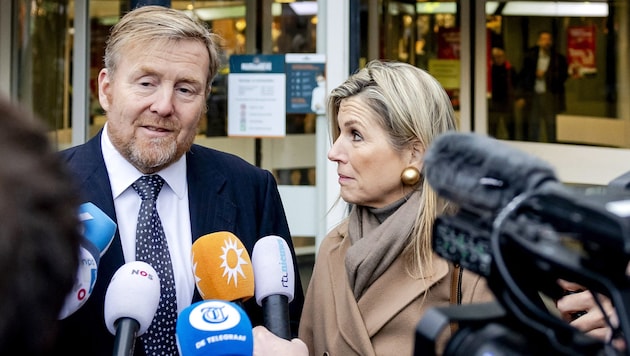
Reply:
x=555, y=87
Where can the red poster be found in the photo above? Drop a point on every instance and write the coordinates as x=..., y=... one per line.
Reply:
x=449, y=45
x=449, y=42
x=581, y=50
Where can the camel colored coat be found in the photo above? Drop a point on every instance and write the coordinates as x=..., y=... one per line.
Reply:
x=384, y=320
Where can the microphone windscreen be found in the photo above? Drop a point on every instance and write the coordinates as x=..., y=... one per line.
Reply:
x=134, y=292
x=469, y=168
x=273, y=268
x=222, y=267
x=98, y=228
x=84, y=280
x=214, y=327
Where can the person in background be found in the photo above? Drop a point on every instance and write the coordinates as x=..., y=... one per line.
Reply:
x=318, y=97
x=501, y=104
x=159, y=66
x=541, y=87
x=39, y=234
x=376, y=273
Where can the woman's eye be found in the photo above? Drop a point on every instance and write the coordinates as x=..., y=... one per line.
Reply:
x=356, y=136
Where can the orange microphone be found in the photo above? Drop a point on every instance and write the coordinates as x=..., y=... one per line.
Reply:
x=222, y=267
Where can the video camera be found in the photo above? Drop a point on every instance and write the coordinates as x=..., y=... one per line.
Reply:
x=545, y=232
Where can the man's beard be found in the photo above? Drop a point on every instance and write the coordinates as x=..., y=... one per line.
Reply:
x=157, y=154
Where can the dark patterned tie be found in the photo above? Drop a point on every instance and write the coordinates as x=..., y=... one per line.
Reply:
x=151, y=247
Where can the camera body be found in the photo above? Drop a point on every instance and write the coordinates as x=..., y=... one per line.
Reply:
x=549, y=233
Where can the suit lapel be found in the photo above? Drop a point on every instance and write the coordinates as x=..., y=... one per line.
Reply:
x=88, y=167
x=210, y=208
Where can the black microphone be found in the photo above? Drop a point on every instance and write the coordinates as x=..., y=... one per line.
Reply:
x=275, y=283
x=131, y=302
x=484, y=172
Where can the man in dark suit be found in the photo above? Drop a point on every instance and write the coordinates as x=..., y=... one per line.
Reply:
x=159, y=65
x=542, y=91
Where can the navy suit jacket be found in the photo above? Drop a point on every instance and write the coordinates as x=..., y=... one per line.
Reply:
x=225, y=193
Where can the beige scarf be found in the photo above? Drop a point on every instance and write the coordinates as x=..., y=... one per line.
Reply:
x=376, y=245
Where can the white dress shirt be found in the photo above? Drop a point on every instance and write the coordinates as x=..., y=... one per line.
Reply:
x=172, y=206
x=543, y=64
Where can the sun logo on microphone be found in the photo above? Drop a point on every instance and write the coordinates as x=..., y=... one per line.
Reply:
x=232, y=260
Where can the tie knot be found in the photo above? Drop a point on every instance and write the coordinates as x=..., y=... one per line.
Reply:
x=148, y=187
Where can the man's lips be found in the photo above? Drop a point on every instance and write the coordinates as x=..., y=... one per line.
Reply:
x=156, y=129
x=344, y=178
x=159, y=129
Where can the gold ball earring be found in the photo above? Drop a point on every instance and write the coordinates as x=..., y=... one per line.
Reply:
x=410, y=176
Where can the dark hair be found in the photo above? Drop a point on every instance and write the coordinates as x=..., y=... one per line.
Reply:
x=39, y=233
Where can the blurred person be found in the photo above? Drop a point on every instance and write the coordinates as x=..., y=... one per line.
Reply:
x=501, y=103
x=318, y=97
x=541, y=87
x=159, y=66
x=39, y=234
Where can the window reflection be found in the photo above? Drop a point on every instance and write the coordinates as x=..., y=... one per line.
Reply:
x=592, y=40
x=575, y=100
x=43, y=37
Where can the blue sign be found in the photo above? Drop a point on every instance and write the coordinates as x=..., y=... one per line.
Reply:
x=306, y=83
x=257, y=63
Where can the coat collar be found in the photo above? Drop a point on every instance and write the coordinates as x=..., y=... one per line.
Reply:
x=395, y=287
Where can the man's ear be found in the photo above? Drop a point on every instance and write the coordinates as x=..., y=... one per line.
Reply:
x=104, y=87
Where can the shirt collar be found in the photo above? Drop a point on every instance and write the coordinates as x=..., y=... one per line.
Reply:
x=122, y=174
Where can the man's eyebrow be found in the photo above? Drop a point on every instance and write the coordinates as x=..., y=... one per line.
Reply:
x=144, y=70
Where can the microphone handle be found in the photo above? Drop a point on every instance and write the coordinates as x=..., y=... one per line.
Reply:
x=126, y=331
x=276, y=315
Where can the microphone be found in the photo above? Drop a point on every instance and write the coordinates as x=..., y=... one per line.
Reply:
x=214, y=327
x=98, y=232
x=131, y=301
x=84, y=279
x=482, y=171
x=275, y=283
x=98, y=228
x=222, y=267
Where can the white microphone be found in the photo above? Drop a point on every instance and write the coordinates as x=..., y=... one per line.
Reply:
x=98, y=232
x=274, y=279
x=84, y=280
x=131, y=302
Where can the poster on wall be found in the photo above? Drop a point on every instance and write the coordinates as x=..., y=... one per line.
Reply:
x=446, y=67
x=257, y=96
x=306, y=83
x=581, y=51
